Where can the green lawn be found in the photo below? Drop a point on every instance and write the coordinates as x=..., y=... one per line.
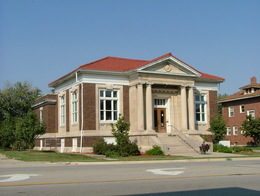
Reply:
x=70, y=157
x=46, y=156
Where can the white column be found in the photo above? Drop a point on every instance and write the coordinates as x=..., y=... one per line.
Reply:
x=191, y=109
x=140, y=107
x=183, y=108
x=149, y=107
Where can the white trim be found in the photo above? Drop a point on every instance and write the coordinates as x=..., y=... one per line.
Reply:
x=229, y=111
x=180, y=65
x=228, y=131
x=235, y=130
x=248, y=113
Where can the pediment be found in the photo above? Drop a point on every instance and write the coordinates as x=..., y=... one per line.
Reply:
x=169, y=65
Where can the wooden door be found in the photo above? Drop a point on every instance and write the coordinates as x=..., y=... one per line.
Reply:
x=160, y=120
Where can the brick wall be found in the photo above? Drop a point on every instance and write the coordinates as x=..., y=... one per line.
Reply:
x=89, y=107
x=49, y=113
x=213, y=103
x=126, y=103
x=89, y=141
x=237, y=120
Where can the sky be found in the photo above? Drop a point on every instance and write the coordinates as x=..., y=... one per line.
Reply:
x=42, y=40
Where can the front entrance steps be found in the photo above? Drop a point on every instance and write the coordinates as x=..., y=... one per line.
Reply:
x=179, y=145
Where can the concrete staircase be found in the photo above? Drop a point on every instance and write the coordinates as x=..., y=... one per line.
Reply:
x=178, y=145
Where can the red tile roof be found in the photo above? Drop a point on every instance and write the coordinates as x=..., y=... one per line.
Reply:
x=124, y=64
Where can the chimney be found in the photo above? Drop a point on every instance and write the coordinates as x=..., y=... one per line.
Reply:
x=253, y=80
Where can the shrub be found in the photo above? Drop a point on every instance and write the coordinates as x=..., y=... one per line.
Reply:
x=112, y=154
x=156, y=150
x=224, y=149
x=100, y=146
x=125, y=154
x=130, y=148
x=240, y=148
x=215, y=147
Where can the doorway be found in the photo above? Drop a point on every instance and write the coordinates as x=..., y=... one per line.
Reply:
x=160, y=120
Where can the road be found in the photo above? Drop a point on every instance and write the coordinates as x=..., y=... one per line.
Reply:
x=179, y=178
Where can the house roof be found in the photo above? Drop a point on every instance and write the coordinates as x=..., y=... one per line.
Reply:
x=241, y=94
x=116, y=64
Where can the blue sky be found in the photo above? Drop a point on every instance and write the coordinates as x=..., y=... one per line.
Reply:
x=42, y=40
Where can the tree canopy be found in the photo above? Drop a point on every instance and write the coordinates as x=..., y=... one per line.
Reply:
x=221, y=96
x=251, y=128
x=218, y=127
x=15, y=105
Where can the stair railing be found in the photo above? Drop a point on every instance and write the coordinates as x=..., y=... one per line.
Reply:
x=188, y=141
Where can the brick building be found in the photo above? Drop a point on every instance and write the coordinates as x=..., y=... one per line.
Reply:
x=235, y=108
x=150, y=94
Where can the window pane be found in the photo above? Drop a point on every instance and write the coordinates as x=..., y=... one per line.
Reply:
x=197, y=117
x=108, y=115
x=202, y=98
x=101, y=93
x=108, y=105
x=197, y=98
x=115, y=105
x=101, y=105
x=203, y=117
x=202, y=107
x=197, y=107
x=101, y=115
x=108, y=93
x=114, y=93
x=115, y=115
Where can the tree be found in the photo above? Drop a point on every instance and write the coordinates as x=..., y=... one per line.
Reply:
x=121, y=133
x=219, y=104
x=251, y=128
x=7, y=131
x=15, y=102
x=30, y=128
x=218, y=127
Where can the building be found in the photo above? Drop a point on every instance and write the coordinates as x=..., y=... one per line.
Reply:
x=236, y=107
x=151, y=94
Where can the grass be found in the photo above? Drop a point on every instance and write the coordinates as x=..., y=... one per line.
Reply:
x=70, y=157
x=46, y=156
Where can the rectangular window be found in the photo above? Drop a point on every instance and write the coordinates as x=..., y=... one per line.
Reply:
x=74, y=107
x=231, y=111
x=159, y=102
x=200, y=108
x=228, y=130
x=108, y=105
x=62, y=110
x=252, y=113
x=235, y=130
x=41, y=116
x=242, y=108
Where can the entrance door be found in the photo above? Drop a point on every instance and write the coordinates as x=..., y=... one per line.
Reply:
x=160, y=120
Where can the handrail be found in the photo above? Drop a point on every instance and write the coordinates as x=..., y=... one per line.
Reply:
x=184, y=135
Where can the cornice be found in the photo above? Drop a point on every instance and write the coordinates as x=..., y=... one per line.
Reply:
x=43, y=103
x=239, y=98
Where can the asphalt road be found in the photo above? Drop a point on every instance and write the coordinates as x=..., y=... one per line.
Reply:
x=174, y=178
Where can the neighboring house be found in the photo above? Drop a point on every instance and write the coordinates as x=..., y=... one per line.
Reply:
x=236, y=107
x=150, y=94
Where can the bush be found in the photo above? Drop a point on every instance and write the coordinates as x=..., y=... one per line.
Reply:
x=156, y=150
x=100, y=146
x=130, y=148
x=240, y=148
x=224, y=149
x=215, y=147
x=125, y=154
x=112, y=154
